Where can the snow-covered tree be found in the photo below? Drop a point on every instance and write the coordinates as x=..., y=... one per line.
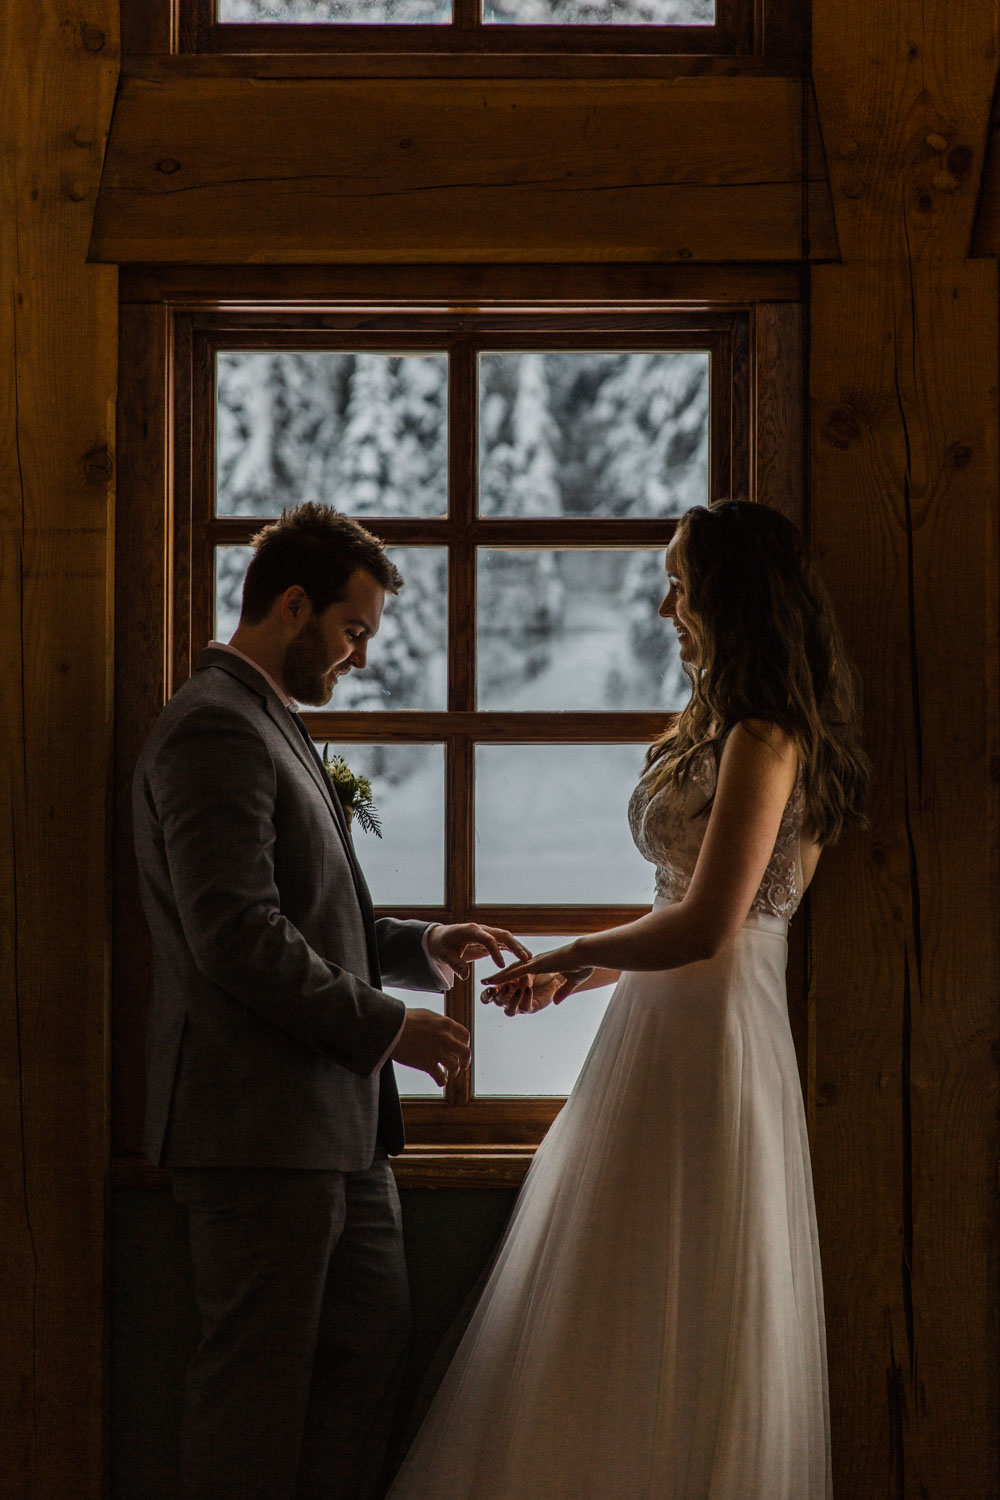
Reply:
x=649, y=423
x=520, y=592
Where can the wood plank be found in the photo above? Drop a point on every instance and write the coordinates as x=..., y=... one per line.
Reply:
x=986, y=227
x=155, y=62
x=319, y=171
x=905, y=416
x=467, y=286
x=142, y=547
x=904, y=95
x=57, y=343
x=905, y=964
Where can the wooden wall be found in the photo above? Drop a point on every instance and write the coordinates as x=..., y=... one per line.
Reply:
x=58, y=69
x=903, y=378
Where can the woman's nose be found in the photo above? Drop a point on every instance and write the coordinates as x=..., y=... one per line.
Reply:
x=666, y=609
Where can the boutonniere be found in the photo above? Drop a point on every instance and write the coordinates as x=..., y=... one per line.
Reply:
x=354, y=793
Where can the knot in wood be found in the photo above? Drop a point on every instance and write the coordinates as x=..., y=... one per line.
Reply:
x=936, y=142
x=842, y=428
x=168, y=166
x=848, y=149
x=76, y=190
x=82, y=137
x=959, y=160
x=826, y=1093
x=92, y=37
x=945, y=182
x=98, y=465
x=960, y=454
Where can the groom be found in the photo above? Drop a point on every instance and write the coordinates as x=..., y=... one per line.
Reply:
x=271, y=1098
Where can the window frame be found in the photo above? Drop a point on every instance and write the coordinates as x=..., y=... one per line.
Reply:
x=737, y=31
x=162, y=309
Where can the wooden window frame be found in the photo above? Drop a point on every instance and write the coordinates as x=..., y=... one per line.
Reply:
x=167, y=354
x=744, y=29
x=732, y=34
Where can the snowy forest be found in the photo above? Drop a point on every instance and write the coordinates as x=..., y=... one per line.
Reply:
x=561, y=435
x=509, y=12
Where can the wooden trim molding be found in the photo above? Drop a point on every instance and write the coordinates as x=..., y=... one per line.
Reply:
x=327, y=170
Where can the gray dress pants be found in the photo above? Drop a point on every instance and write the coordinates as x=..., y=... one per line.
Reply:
x=301, y=1283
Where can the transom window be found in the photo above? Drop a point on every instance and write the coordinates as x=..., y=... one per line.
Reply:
x=525, y=471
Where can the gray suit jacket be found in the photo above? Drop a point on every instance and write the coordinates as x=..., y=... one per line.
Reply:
x=267, y=1021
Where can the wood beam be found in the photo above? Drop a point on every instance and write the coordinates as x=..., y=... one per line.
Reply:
x=307, y=170
x=904, y=381
x=57, y=344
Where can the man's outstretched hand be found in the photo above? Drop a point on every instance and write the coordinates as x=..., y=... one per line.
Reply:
x=435, y=1044
x=462, y=943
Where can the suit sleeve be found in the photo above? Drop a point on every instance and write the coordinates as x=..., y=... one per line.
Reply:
x=403, y=957
x=214, y=787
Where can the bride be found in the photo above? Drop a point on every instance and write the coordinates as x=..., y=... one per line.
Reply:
x=653, y=1323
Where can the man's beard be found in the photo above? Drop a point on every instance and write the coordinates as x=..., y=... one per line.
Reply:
x=305, y=667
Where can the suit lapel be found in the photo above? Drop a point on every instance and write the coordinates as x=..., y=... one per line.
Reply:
x=282, y=719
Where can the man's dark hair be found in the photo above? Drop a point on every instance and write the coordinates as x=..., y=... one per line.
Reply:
x=318, y=549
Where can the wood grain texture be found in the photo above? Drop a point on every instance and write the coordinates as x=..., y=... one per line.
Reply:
x=58, y=68
x=471, y=286
x=395, y=171
x=986, y=227
x=142, y=673
x=904, y=95
x=904, y=931
x=904, y=465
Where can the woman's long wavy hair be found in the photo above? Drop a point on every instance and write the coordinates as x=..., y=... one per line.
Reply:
x=769, y=649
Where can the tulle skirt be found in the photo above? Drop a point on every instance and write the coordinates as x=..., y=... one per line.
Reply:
x=653, y=1324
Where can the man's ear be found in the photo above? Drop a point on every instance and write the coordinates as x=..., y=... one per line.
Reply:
x=294, y=605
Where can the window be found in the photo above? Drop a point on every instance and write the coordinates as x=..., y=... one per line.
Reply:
x=524, y=469
x=473, y=26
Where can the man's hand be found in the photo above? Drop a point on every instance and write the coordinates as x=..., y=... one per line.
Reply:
x=435, y=1044
x=462, y=943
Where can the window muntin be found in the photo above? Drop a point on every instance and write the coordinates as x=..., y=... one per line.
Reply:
x=461, y=733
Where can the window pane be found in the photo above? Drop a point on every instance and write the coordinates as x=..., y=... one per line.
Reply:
x=551, y=825
x=231, y=564
x=593, y=434
x=408, y=659
x=575, y=629
x=411, y=1082
x=305, y=12
x=405, y=867
x=521, y=1056
x=600, y=12
x=367, y=433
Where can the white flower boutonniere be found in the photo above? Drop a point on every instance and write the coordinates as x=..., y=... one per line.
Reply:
x=354, y=792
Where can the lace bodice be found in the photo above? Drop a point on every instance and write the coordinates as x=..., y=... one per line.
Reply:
x=668, y=832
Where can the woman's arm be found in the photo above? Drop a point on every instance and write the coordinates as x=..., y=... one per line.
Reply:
x=756, y=776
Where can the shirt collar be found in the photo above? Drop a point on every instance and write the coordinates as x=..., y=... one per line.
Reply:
x=235, y=651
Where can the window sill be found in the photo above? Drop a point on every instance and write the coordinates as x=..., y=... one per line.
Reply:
x=418, y=1167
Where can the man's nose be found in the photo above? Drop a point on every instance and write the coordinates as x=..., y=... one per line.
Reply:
x=360, y=654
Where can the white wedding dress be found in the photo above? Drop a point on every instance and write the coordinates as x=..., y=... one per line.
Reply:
x=653, y=1327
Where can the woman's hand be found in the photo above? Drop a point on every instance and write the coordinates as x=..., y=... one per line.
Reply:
x=525, y=988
